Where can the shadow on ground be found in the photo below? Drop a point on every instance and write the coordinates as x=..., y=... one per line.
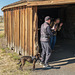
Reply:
x=47, y=68
x=64, y=53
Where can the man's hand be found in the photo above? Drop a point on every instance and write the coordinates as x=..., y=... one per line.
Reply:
x=55, y=29
x=61, y=24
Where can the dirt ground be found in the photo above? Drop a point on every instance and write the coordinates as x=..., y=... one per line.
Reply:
x=62, y=60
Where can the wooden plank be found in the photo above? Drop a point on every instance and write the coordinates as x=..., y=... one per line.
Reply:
x=50, y=2
x=10, y=35
x=17, y=31
x=18, y=28
x=21, y=30
x=29, y=36
x=9, y=29
x=22, y=22
x=23, y=53
x=4, y=23
x=13, y=22
x=26, y=31
x=35, y=31
x=12, y=27
x=7, y=26
x=31, y=28
x=8, y=20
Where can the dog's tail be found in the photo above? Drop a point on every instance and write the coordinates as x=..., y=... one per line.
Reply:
x=19, y=62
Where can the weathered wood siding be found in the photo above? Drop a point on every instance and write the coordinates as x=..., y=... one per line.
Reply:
x=20, y=29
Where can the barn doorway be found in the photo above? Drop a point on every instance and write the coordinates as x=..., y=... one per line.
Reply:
x=66, y=37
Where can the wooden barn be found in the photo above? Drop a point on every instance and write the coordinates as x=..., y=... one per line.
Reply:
x=23, y=19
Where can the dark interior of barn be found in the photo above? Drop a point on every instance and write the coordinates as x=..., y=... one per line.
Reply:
x=65, y=44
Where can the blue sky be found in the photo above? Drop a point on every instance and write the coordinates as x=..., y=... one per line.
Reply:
x=4, y=3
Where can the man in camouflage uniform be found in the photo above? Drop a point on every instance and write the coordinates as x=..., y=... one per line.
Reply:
x=54, y=28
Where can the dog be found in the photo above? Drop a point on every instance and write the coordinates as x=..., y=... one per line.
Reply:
x=29, y=59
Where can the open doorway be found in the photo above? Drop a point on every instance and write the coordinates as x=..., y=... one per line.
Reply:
x=42, y=13
x=66, y=37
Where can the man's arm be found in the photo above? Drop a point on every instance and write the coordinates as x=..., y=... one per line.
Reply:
x=49, y=31
x=59, y=28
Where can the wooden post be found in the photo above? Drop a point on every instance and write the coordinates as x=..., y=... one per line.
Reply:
x=35, y=31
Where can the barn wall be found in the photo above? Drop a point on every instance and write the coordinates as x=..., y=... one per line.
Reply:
x=20, y=29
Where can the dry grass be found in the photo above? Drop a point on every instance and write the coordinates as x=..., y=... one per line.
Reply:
x=9, y=59
x=1, y=29
x=8, y=64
